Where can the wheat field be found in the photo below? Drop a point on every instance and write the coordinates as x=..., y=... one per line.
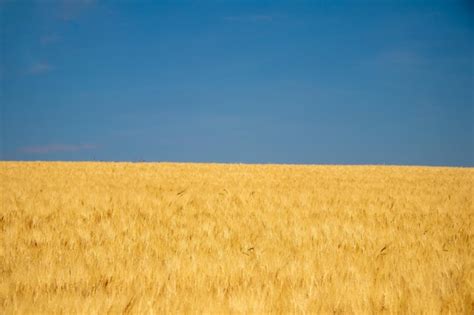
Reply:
x=153, y=238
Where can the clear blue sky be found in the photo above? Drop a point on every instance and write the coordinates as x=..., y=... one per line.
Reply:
x=353, y=82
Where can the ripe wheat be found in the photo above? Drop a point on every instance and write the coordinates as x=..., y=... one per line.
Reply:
x=185, y=238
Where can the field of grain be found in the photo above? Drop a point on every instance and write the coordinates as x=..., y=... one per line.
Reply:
x=171, y=238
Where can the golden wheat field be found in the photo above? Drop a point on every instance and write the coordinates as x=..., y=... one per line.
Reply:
x=142, y=238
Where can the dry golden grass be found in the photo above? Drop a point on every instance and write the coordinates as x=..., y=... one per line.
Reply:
x=179, y=238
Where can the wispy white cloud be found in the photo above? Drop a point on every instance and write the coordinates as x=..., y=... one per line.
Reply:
x=49, y=39
x=40, y=67
x=400, y=57
x=249, y=18
x=42, y=149
x=397, y=59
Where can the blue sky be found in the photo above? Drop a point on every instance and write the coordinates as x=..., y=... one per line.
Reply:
x=319, y=82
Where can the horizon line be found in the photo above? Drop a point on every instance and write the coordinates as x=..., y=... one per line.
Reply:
x=238, y=163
